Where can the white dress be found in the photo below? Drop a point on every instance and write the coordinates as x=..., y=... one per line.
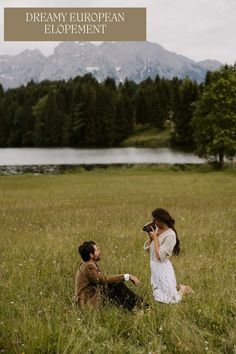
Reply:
x=163, y=279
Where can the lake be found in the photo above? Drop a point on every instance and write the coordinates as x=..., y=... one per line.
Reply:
x=69, y=156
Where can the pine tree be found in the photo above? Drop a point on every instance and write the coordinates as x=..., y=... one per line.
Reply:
x=39, y=112
x=183, y=113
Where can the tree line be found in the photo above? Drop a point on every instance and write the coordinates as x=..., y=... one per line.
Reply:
x=83, y=112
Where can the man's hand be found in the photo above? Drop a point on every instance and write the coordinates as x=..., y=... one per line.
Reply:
x=134, y=279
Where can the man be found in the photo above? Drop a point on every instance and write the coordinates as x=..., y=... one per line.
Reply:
x=92, y=287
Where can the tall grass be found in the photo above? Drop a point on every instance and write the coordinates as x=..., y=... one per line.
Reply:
x=44, y=218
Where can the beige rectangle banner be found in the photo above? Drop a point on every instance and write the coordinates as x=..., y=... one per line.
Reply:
x=70, y=24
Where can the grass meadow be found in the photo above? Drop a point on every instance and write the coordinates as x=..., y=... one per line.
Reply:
x=44, y=218
x=148, y=136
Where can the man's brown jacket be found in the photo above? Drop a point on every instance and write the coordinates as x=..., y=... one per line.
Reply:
x=88, y=283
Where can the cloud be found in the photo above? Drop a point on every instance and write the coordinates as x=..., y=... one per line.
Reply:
x=199, y=29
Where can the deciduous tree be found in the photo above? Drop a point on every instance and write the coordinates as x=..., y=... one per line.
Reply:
x=214, y=121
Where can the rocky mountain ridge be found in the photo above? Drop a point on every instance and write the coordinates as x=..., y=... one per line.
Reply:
x=120, y=60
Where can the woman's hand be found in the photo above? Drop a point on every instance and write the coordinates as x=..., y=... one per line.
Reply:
x=154, y=233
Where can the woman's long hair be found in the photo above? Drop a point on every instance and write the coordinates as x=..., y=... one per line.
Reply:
x=164, y=216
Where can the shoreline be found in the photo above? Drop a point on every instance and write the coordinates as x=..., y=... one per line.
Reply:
x=66, y=168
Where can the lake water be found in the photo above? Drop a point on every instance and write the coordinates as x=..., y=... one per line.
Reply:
x=68, y=156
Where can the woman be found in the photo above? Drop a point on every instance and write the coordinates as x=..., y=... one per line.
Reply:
x=162, y=243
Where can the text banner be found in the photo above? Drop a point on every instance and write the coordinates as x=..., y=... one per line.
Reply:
x=70, y=24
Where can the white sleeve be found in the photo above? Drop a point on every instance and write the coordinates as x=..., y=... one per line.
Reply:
x=167, y=246
x=146, y=246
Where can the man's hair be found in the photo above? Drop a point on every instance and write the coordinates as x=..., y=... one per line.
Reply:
x=85, y=249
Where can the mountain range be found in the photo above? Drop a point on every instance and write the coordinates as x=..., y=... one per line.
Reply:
x=120, y=60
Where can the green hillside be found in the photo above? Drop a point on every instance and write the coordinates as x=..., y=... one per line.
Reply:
x=148, y=136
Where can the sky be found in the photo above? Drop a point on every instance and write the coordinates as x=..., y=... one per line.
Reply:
x=197, y=29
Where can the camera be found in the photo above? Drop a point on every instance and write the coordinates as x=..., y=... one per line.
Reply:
x=152, y=225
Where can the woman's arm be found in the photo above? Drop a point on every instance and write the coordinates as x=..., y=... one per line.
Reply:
x=156, y=247
x=166, y=249
x=146, y=245
x=154, y=237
